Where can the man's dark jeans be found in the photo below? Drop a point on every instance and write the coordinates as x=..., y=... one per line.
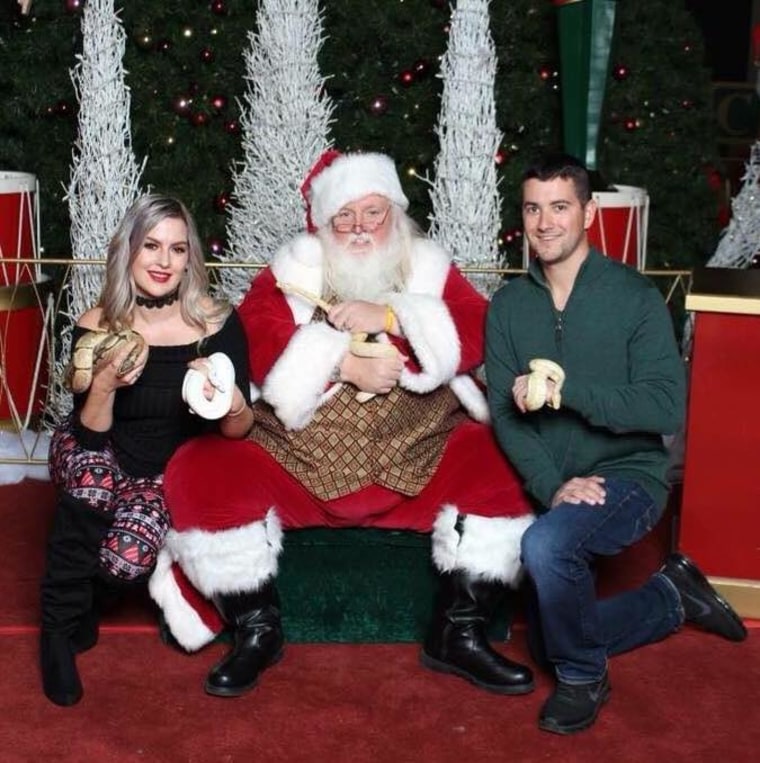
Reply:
x=558, y=551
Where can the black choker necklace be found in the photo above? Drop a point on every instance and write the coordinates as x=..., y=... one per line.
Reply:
x=151, y=302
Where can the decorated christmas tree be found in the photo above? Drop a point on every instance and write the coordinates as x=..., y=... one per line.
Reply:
x=185, y=69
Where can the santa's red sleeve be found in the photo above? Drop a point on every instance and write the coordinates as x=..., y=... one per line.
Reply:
x=467, y=307
x=268, y=323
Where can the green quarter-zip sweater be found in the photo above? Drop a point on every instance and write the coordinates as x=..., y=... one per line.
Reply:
x=624, y=386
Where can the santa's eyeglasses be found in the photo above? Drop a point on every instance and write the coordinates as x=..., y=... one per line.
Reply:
x=369, y=221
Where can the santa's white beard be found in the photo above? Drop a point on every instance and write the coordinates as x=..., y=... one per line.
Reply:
x=365, y=275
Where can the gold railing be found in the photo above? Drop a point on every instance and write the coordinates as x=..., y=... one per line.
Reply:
x=674, y=285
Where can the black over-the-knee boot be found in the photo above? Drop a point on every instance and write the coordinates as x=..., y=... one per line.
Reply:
x=258, y=640
x=457, y=641
x=69, y=624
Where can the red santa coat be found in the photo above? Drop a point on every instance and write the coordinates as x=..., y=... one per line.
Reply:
x=441, y=314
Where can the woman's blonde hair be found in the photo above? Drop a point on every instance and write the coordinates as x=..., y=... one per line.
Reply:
x=117, y=299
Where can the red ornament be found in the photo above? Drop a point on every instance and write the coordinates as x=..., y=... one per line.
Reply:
x=207, y=56
x=687, y=104
x=219, y=8
x=630, y=124
x=199, y=118
x=378, y=106
x=406, y=78
x=73, y=6
x=545, y=73
x=218, y=102
x=232, y=127
x=221, y=201
x=164, y=45
x=620, y=72
x=714, y=178
x=500, y=157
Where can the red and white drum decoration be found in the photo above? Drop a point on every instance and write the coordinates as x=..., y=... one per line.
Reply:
x=19, y=227
x=26, y=304
x=620, y=226
x=26, y=314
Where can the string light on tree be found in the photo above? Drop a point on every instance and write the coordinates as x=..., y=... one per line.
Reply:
x=215, y=246
x=421, y=68
x=378, y=105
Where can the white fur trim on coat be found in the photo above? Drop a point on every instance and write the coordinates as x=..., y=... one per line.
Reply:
x=228, y=561
x=489, y=547
x=300, y=262
x=295, y=387
x=427, y=324
x=471, y=397
x=183, y=620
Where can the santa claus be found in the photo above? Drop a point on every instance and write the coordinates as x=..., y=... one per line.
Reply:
x=363, y=338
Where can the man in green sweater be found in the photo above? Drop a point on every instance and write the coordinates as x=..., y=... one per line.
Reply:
x=584, y=427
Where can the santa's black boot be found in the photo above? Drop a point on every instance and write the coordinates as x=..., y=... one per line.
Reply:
x=68, y=622
x=254, y=617
x=457, y=642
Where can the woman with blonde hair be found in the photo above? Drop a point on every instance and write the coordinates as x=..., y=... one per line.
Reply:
x=161, y=328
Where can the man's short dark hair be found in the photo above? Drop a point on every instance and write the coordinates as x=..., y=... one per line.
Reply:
x=563, y=166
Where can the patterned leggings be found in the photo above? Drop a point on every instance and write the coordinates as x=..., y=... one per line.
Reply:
x=140, y=520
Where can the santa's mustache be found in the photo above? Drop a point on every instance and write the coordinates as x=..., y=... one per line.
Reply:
x=360, y=238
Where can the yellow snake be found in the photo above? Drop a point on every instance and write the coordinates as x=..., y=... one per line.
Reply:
x=95, y=346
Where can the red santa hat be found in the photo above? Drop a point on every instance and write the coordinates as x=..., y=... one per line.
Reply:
x=338, y=179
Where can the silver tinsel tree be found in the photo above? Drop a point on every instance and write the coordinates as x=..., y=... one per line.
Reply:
x=285, y=120
x=465, y=197
x=740, y=240
x=105, y=176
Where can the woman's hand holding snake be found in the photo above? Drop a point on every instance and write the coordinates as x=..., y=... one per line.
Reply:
x=109, y=374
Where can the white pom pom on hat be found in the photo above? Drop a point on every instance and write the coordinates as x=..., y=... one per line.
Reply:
x=351, y=177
